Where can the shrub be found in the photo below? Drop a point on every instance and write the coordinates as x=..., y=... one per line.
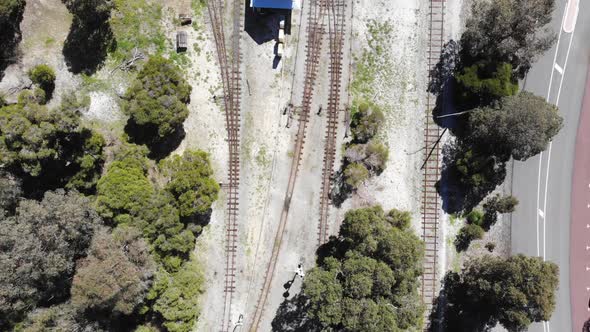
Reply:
x=190, y=180
x=366, y=122
x=467, y=234
x=123, y=191
x=44, y=76
x=475, y=217
x=156, y=101
x=355, y=174
x=490, y=246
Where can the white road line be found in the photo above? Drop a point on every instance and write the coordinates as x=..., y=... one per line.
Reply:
x=558, y=68
x=546, y=323
x=569, y=47
x=538, y=194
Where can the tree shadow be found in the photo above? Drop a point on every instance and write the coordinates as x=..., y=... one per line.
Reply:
x=160, y=147
x=341, y=191
x=452, y=310
x=86, y=46
x=291, y=316
x=480, y=175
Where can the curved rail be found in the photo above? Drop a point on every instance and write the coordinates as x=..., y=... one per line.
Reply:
x=336, y=14
x=231, y=81
x=315, y=31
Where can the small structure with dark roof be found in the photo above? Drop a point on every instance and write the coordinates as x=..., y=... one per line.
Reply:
x=181, y=41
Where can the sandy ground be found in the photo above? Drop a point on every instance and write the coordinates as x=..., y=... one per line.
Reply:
x=267, y=149
x=44, y=27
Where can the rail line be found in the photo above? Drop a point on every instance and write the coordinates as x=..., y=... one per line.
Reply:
x=336, y=18
x=430, y=199
x=315, y=32
x=231, y=81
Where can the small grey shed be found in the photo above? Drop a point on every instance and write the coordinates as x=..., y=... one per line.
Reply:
x=181, y=41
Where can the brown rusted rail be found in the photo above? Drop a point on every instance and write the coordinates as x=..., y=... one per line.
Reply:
x=231, y=81
x=315, y=32
x=430, y=199
x=336, y=19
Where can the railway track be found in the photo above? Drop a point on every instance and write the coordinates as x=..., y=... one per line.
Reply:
x=315, y=34
x=231, y=80
x=336, y=18
x=431, y=169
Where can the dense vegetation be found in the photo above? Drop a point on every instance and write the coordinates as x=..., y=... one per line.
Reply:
x=366, y=278
x=513, y=292
x=39, y=247
x=156, y=104
x=501, y=40
x=50, y=148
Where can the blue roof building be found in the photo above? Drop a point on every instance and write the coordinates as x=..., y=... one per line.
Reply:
x=272, y=4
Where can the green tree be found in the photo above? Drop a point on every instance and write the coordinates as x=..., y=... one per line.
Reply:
x=50, y=147
x=520, y=126
x=190, y=180
x=171, y=240
x=124, y=190
x=481, y=84
x=114, y=277
x=44, y=76
x=39, y=248
x=367, y=279
x=512, y=31
x=176, y=296
x=514, y=292
x=156, y=101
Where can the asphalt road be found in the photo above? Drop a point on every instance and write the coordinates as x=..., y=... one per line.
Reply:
x=543, y=184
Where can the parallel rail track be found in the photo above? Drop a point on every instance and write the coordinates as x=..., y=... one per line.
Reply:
x=315, y=34
x=231, y=81
x=430, y=200
x=336, y=14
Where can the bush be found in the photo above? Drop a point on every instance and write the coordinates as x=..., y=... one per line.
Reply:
x=190, y=180
x=467, y=234
x=44, y=76
x=123, y=191
x=175, y=297
x=475, y=217
x=366, y=122
x=355, y=174
x=156, y=102
x=399, y=219
x=490, y=246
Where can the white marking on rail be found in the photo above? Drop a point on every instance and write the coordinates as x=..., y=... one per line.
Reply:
x=541, y=213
